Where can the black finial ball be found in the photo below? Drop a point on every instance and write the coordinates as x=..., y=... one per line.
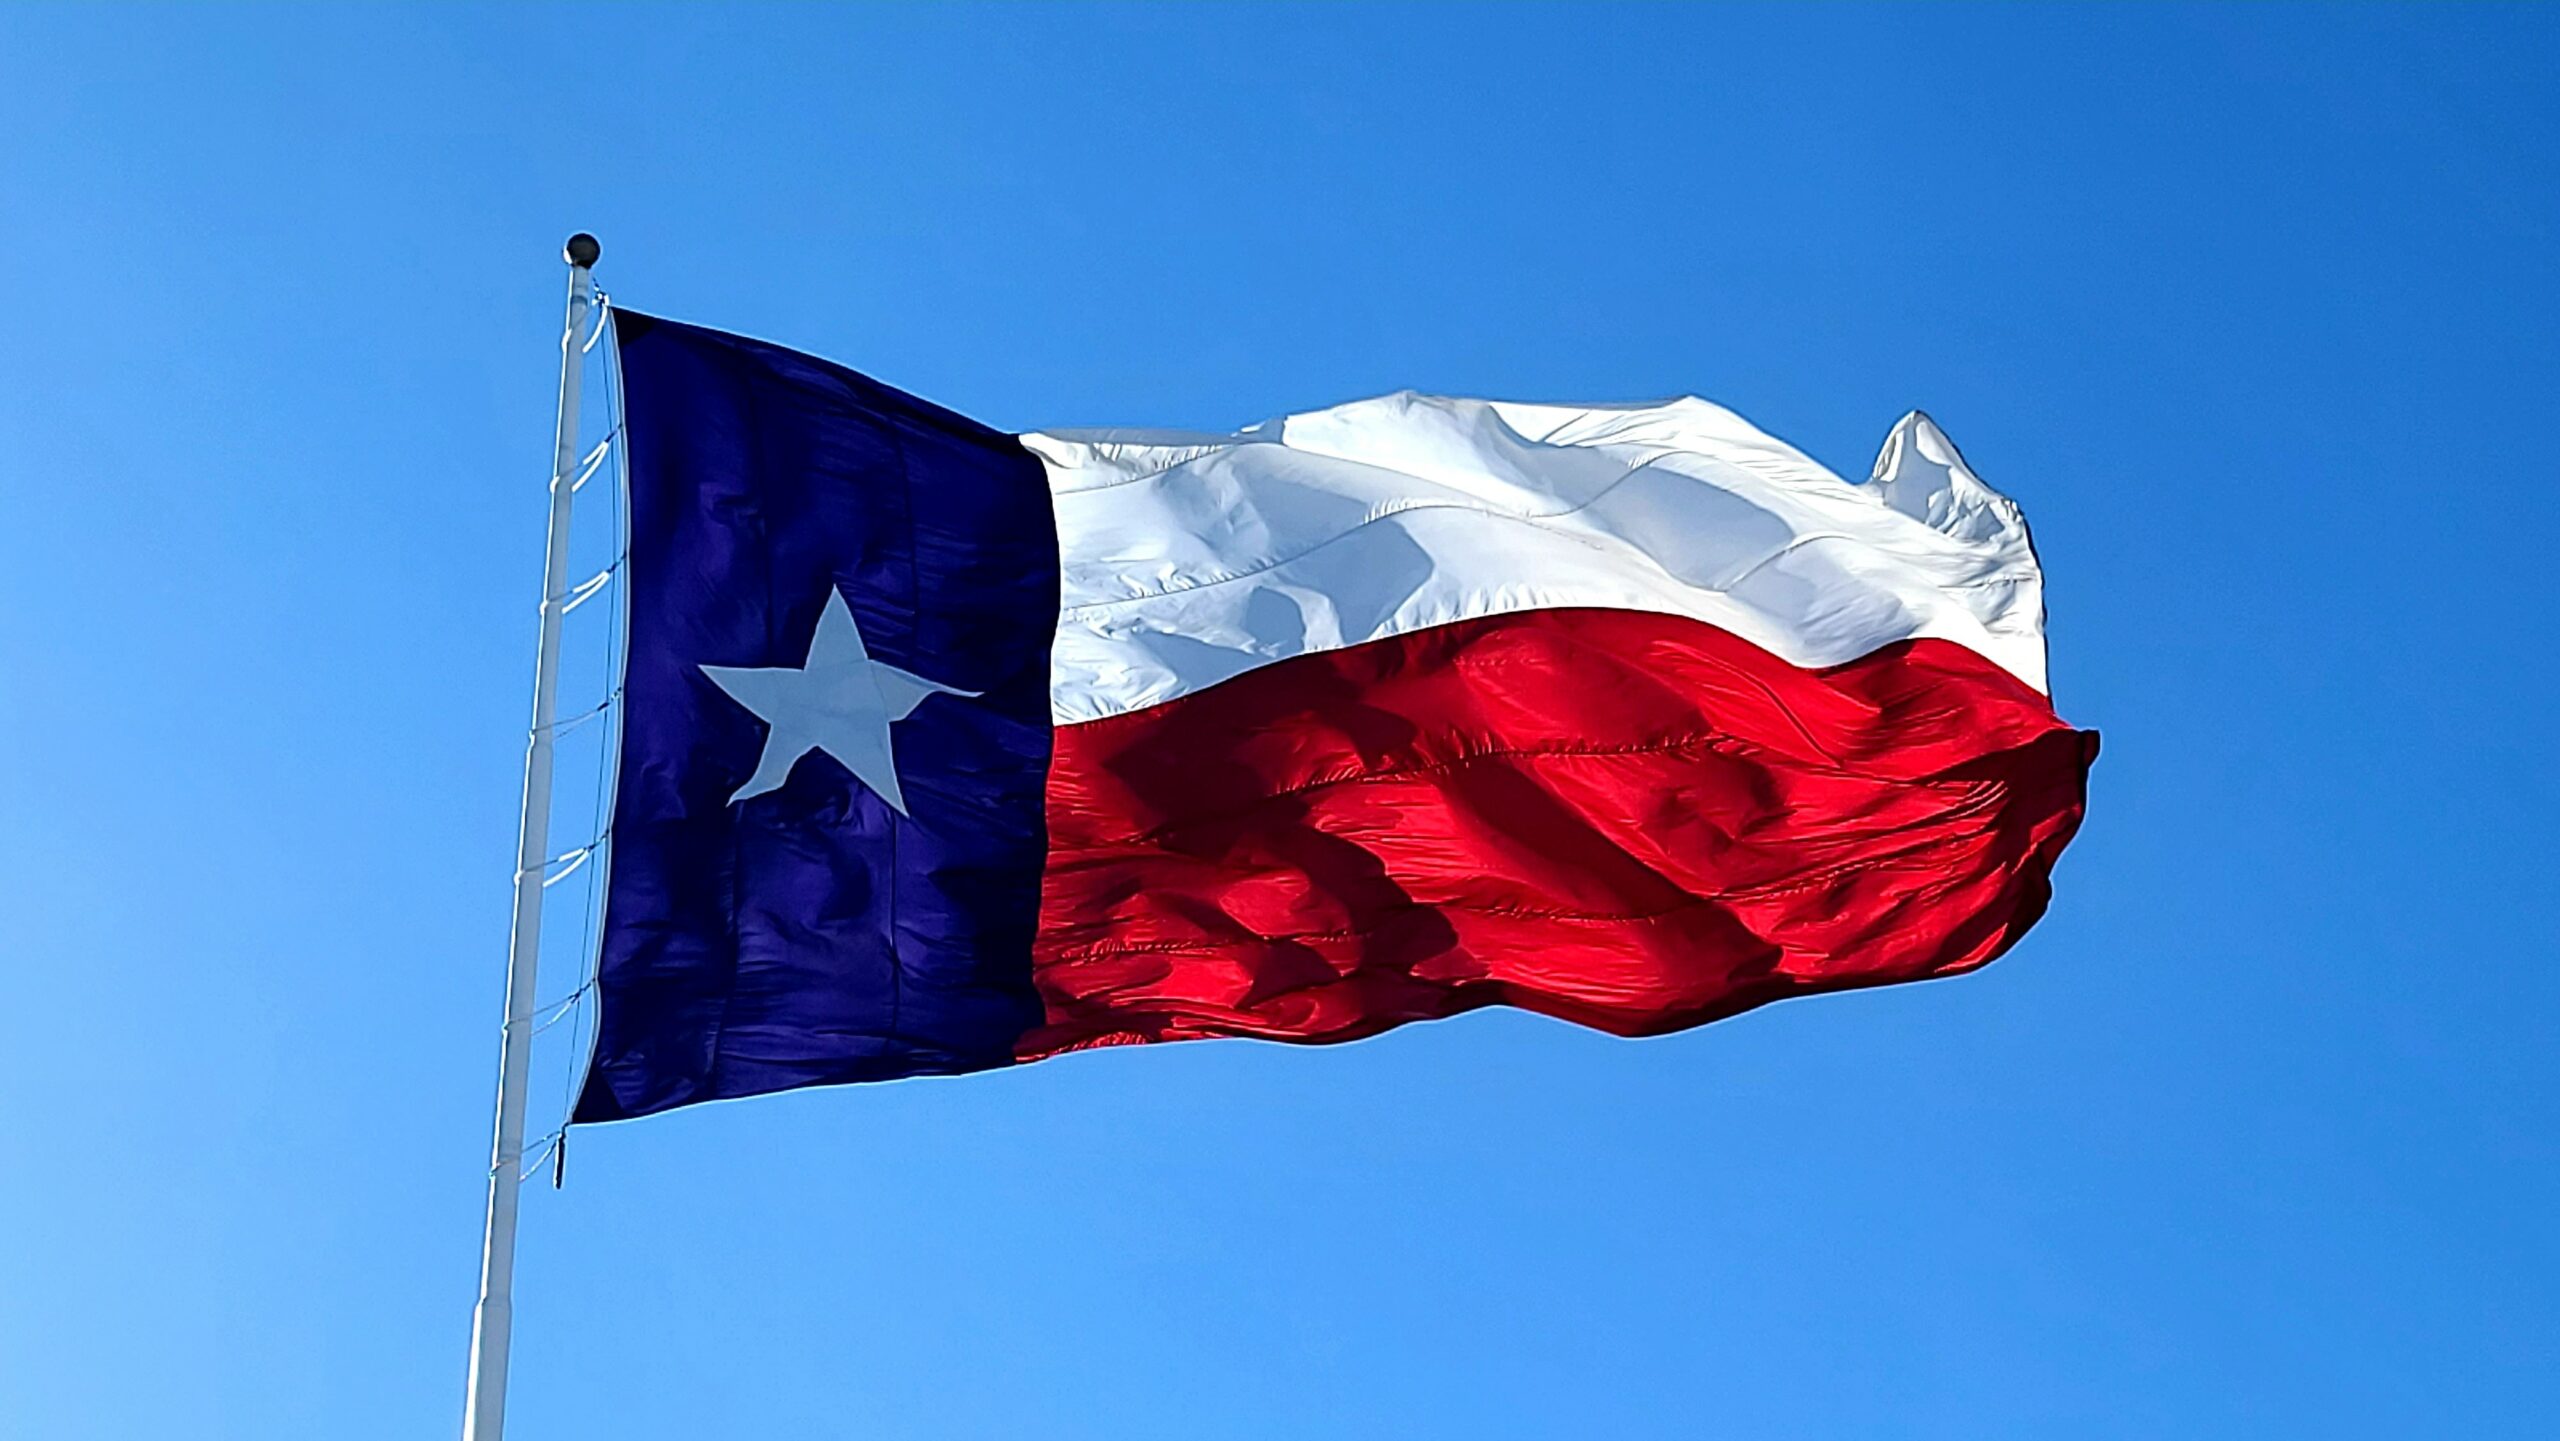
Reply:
x=582, y=250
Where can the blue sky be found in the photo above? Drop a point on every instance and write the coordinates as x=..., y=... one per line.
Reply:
x=2254, y=310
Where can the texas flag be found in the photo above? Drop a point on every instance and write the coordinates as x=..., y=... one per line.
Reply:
x=945, y=749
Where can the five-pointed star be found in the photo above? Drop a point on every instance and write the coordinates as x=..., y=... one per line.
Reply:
x=840, y=701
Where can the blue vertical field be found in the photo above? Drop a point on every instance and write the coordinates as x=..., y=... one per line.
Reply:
x=814, y=935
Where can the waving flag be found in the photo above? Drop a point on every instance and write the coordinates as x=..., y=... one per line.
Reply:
x=947, y=749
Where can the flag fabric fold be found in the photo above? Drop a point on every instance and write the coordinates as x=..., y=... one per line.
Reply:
x=1634, y=716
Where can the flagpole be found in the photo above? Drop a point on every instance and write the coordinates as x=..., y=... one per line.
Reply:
x=492, y=1320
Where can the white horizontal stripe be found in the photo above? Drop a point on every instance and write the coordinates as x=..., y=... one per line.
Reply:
x=1189, y=559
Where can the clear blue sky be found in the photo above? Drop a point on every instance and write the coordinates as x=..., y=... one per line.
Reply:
x=2254, y=310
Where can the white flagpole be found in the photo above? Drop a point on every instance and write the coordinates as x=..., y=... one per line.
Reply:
x=485, y=1400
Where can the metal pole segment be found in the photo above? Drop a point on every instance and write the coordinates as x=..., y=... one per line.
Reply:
x=492, y=1321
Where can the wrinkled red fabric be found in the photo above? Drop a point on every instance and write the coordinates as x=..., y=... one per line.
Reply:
x=1637, y=822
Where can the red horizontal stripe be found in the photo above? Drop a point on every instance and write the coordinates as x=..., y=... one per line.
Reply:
x=1638, y=822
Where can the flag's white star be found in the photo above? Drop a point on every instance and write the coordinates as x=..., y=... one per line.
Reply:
x=840, y=701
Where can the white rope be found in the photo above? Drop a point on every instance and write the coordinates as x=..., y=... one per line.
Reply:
x=586, y=1022
x=586, y=589
x=529, y=1164
x=575, y=859
x=560, y=728
x=588, y=467
x=557, y=1011
x=604, y=315
x=555, y=860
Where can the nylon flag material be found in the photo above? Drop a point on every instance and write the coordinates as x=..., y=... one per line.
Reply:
x=946, y=749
